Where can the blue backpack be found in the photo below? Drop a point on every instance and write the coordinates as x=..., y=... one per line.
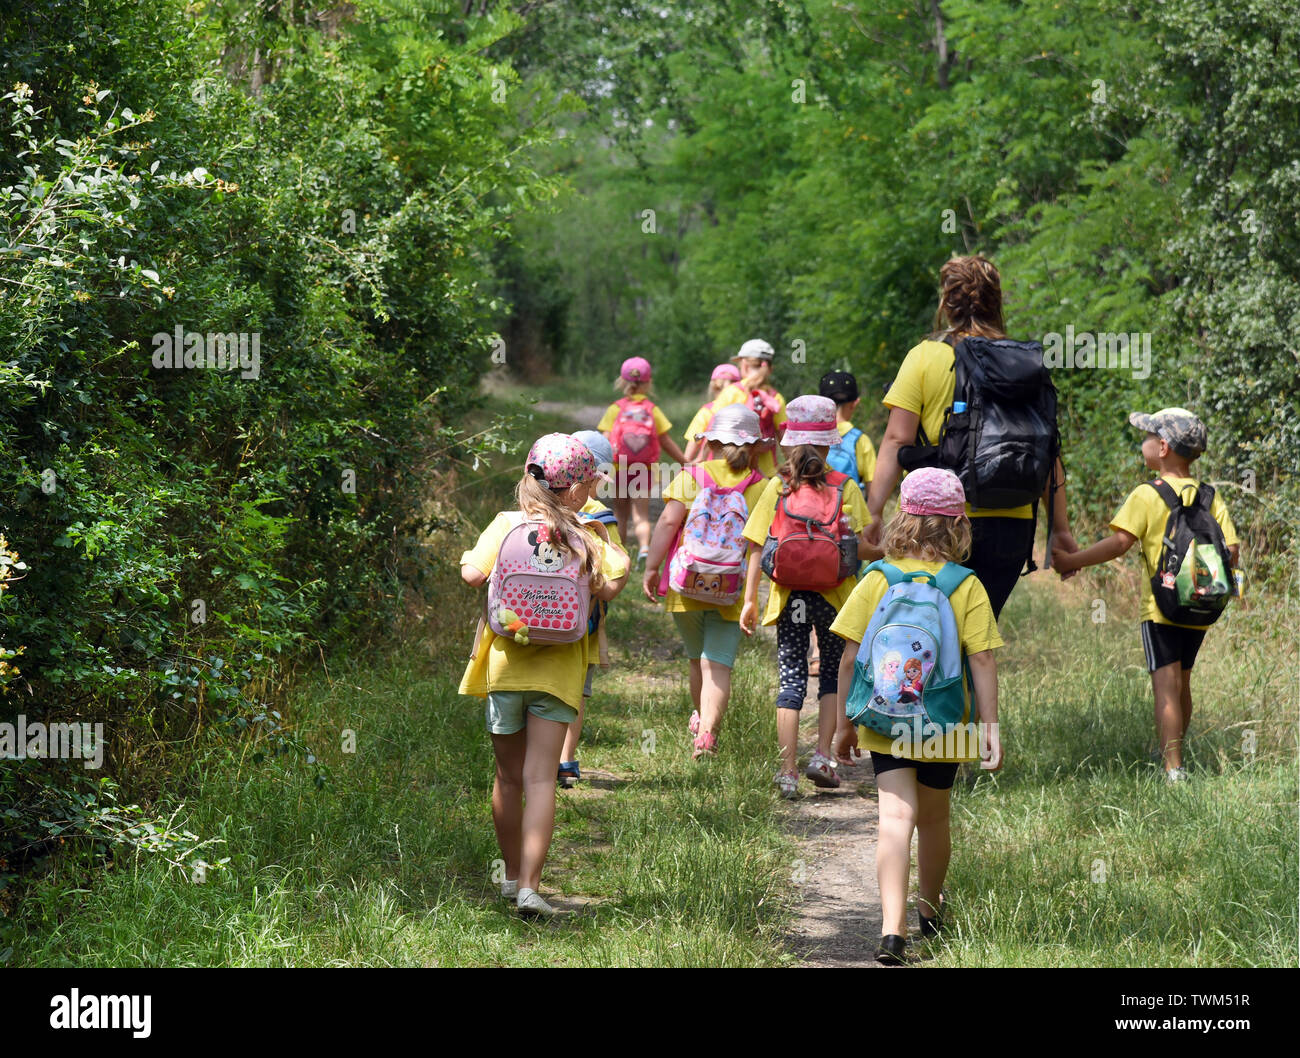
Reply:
x=907, y=677
x=599, y=608
x=844, y=456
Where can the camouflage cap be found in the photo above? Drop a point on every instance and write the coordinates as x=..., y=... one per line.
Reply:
x=1183, y=431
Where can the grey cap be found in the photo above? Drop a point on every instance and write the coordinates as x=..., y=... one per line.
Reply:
x=1183, y=431
x=597, y=444
x=755, y=349
x=734, y=424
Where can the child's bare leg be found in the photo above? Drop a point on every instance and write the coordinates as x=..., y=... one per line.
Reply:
x=697, y=683
x=827, y=723
x=570, y=751
x=715, y=690
x=622, y=508
x=898, y=814
x=508, y=798
x=1166, y=683
x=933, y=846
x=787, y=737
x=541, y=761
x=641, y=521
x=1185, y=698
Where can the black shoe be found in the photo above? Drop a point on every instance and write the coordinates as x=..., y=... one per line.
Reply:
x=930, y=927
x=890, y=952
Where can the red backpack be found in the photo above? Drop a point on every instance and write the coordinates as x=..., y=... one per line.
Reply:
x=634, y=437
x=809, y=546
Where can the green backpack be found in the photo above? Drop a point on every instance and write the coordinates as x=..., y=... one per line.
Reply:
x=1193, y=580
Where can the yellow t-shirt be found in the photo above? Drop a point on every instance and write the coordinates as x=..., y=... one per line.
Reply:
x=975, y=625
x=684, y=489
x=736, y=394
x=924, y=386
x=1144, y=515
x=594, y=506
x=864, y=453
x=700, y=422
x=760, y=521
x=501, y=664
x=662, y=425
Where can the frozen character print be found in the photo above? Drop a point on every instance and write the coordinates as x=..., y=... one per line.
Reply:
x=910, y=688
x=887, y=682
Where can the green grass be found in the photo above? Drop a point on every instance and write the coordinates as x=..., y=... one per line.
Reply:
x=1074, y=854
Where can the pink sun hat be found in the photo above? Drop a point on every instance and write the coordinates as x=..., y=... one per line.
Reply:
x=635, y=369
x=730, y=372
x=560, y=460
x=810, y=420
x=932, y=490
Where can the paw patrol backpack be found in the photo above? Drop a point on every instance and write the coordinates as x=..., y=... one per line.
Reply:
x=538, y=592
x=709, y=563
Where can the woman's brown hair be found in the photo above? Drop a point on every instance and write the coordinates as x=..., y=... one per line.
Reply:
x=970, y=299
x=540, y=504
x=932, y=536
x=806, y=466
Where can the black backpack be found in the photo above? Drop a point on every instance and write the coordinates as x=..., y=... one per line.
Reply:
x=1193, y=580
x=1005, y=442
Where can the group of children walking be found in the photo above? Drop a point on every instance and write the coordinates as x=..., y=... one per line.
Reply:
x=905, y=632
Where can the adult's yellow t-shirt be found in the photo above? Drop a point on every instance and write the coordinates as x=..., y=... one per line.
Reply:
x=684, y=489
x=737, y=394
x=976, y=627
x=662, y=424
x=501, y=664
x=924, y=385
x=1145, y=515
x=864, y=452
x=760, y=522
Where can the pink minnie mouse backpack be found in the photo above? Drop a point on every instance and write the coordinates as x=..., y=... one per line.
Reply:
x=538, y=593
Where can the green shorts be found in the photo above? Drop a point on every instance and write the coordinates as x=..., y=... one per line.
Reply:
x=506, y=710
x=705, y=634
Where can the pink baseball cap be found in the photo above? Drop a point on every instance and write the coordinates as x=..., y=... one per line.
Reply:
x=635, y=369
x=730, y=372
x=561, y=460
x=810, y=420
x=932, y=490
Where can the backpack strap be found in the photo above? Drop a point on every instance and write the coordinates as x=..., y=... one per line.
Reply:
x=888, y=570
x=1167, y=493
x=696, y=469
x=604, y=515
x=950, y=578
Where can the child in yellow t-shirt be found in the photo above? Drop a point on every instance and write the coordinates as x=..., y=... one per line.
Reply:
x=696, y=447
x=1174, y=438
x=795, y=610
x=710, y=633
x=533, y=691
x=637, y=439
x=755, y=390
x=915, y=780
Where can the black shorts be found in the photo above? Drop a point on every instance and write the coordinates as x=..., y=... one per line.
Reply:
x=1165, y=644
x=935, y=774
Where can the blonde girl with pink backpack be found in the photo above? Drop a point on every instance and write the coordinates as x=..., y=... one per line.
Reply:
x=543, y=568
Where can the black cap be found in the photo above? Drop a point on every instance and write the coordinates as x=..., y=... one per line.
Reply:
x=840, y=386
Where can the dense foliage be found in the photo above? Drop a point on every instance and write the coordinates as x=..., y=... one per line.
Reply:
x=1131, y=168
x=319, y=193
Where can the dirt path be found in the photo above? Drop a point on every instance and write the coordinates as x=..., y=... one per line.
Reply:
x=838, y=919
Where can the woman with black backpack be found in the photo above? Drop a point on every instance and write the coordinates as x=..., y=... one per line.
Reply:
x=971, y=400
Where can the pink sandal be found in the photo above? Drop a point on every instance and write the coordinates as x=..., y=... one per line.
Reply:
x=706, y=742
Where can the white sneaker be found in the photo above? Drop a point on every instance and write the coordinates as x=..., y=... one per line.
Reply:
x=1175, y=775
x=510, y=890
x=529, y=903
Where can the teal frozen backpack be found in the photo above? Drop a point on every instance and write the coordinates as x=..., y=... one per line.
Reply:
x=907, y=676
